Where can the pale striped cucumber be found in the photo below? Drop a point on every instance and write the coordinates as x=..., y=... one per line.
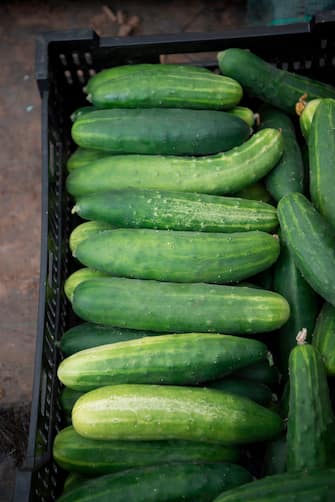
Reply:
x=178, y=359
x=164, y=255
x=86, y=230
x=82, y=157
x=321, y=150
x=172, y=307
x=324, y=337
x=311, y=240
x=165, y=210
x=157, y=412
x=77, y=277
x=224, y=173
x=67, y=399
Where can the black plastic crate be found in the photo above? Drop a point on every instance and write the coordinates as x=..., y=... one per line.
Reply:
x=64, y=62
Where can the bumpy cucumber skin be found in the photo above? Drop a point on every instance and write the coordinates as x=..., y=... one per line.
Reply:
x=135, y=412
x=77, y=277
x=256, y=191
x=321, y=149
x=86, y=230
x=179, y=256
x=274, y=86
x=166, y=306
x=221, y=174
x=288, y=174
x=88, y=335
x=311, y=242
x=307, y=116
x=177, y=359
x=318, y=486
x=310, y=414
x=324, y=337
x=288, y=281
x=155, y=131
x=256, y=391
x=260, y=372
x=89, y=456
x=166, y=210
x=166, y=482
x=83, y=157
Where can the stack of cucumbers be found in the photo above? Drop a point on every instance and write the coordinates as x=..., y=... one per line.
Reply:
x=209, y=242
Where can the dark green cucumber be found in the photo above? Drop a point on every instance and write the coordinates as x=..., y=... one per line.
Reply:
x=83, y=157
x=77, y=277
x=172, y=307
x=167, y=255
x=316, y=486
x=256, y=391
x=324, y=337
x=311, y=240
x=162, y=483
x=288, y=175
x=157, y=412
x=155, y=131
x=310, y=416
x=89, y=456
x=83, y=110
x=166, y=210
x=277, y=87
x=172, y=88
x=178, y=359
x=88, y=335
x=261, y=372
x=86, y=230
x=306, y=116
x=321, y=150
x=224, y=173
x=73, y=480
x=256, y=191
x=288, y=281
x=243, y=113
x=275, y=457
x=67, y=399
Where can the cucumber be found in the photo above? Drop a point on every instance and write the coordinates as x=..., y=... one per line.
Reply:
x=67, y=399
x=177, y=359
x=288, y=281
x=288, y=174
x=73, y=480
x=157, y=412
x=80, y=112
x=256, y=391
x=172, y=307
x=155, y=131
x=306, y=112
x=256, y=191
x=244, y=113
x=316, y=486
x=260, y=372
x=76, y=278
x=225, y=173
x=310, y=413
x=164, y=255
x=88, y=335
x=275, y=457
x=174, y=88
x=324, y=337
x=277, y=87
x=163, y=483
x=311, y=241
x=86, y=230
x=321, y=150
x=164, y=210
x=89, y=456
x=82, y=157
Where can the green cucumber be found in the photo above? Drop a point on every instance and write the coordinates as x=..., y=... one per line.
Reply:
x=306, y=112
x=67, y=399
x=243, y=113
x=157, y=412
x=162, y=483
x=89, y=456
x=166, y=210
x=311, y=240
x=261, y=372
x=288, y=281
x=256, y=191
x=288, y=174
x=86, y=230
x=179, y=256
x=256, y=391
x=88, y=335
x=224, y=173
x=321, y=149
x=155, y=131
x=77, y=277
x=73, y=480
x=277, y=87
x=174, y=88
x=275, y=457
x=174, y=307
x=83, y=110
x=310, y=416
x=312, y=486
x=177, y=359
x=83, y=157
x=324, y=337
